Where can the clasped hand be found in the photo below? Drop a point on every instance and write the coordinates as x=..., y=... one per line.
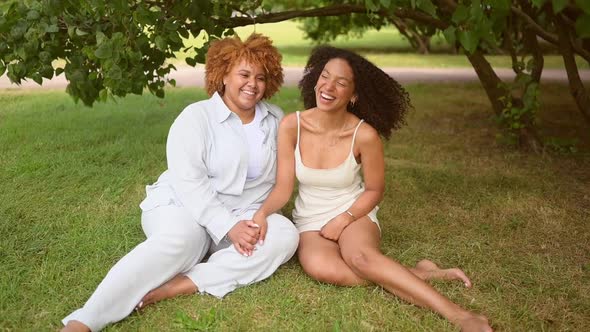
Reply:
x=247, y=233
x=334, y=228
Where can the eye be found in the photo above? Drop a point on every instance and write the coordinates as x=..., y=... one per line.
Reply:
x=243, y=75
x=324, y=76
x=342, y=83
x=261, y=78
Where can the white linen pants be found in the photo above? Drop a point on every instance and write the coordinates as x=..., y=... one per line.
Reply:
x=176, y=244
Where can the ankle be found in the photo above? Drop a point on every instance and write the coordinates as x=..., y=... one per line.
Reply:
x=75, y=326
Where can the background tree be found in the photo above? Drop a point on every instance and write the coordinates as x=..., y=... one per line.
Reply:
x=121, y=47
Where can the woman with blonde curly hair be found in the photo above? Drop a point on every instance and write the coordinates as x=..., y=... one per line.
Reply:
x=221, y=155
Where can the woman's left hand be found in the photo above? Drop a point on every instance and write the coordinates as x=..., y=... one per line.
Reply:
x=260, y=219
x=334, y=227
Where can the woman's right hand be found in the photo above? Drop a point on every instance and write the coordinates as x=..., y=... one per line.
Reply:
x=244, y=236
x=259, y=219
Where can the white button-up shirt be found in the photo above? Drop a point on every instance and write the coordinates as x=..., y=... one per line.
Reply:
x=207, y=153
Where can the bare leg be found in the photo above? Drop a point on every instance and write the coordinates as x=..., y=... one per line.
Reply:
x=321, y=260
x=427, y=270
x=359, y=247
x=179, y=285
x=75, y=326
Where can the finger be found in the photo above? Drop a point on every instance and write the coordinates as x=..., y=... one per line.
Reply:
x=240, y=250
x=246, y=246
x=262, y=235
x=252, y=232
x=250, y=239
x=252, y=224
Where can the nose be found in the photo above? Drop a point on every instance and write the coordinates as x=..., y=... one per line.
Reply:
x=330, y=85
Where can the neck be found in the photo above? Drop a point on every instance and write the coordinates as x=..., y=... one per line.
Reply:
x=331, y=120
x=246, y=115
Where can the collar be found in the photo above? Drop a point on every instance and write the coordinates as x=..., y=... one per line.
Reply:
x=222, y=112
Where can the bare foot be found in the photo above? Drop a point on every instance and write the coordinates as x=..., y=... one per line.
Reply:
x=427, y=270
x=75, y=326
x=474, y=323
x=179, y=285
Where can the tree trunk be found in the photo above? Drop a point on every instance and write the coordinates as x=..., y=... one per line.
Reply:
x=577, y=88
x=493, y=85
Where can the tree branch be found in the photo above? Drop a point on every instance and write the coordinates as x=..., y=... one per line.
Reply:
x=335, y=10
x=577, y=88
x=551, y=38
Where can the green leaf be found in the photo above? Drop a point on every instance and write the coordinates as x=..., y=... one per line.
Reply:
x=100, y=37
x=103, y=95
x=371, y=5
x=104, y=51
x=52, y=28
x=47, y=72
x=426, y=6
x=583, y=26
x=80, y=32
x=385, y=3
x=2, y=68
x=476, y=11
x=37, y=78
x=172, y=82
x=461, y=14
x=469, y=40
x=449, y=34
x=58, y=71
x=559, y=5
x=191, y=62
x=161, y=43
x=33, y=15
x=115, y=73
x=584, y=4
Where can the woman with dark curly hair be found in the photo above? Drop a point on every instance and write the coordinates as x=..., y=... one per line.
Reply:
x=350, y=103
x=221, y=155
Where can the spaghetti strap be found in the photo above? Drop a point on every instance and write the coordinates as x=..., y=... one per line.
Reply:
x=353, y=135
x=298, y=128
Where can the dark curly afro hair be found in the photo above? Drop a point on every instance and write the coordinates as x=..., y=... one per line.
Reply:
x=381, y=101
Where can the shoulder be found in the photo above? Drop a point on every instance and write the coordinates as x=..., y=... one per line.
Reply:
x=288, y=126
x=289, y=121
x=194, y=117
x=367, y=135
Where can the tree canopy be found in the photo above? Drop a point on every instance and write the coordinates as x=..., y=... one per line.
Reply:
x=119, y=47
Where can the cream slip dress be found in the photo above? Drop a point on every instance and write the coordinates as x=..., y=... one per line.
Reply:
x=325, y=193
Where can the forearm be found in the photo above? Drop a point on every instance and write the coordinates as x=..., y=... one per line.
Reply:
x=275, y=201
x=366, y=202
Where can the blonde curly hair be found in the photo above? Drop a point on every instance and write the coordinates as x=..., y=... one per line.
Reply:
x=256, y=50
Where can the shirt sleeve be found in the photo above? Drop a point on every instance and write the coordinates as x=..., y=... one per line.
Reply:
x=186, y=153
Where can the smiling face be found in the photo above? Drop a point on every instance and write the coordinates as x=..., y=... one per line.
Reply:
x=244, y=87
x=335, y=86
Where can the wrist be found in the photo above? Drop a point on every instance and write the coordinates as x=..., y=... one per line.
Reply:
x=350, y=215
x=260, y=213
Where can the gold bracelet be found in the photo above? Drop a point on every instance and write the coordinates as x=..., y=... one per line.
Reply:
x=350, y=214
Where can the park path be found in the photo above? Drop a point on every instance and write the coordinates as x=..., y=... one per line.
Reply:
x=187, y=76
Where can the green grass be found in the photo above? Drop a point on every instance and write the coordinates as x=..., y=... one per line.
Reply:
x=386, y=48
x=517, y=223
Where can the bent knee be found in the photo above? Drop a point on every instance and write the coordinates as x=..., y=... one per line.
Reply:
x=361, y=261
x=282, y=236
x=180, y=244
x=326, y=273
